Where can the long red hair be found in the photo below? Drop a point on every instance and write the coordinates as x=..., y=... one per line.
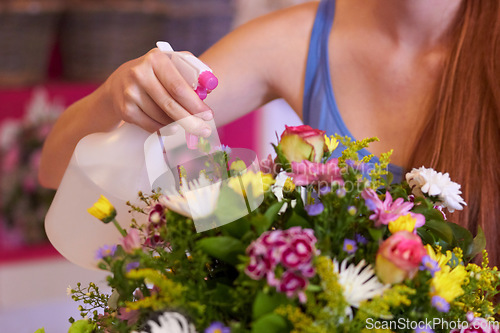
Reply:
x=462, y=135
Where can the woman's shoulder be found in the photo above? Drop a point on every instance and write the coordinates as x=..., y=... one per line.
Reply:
x=287, y=21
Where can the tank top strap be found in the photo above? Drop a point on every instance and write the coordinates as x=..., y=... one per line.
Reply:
x=318, y=52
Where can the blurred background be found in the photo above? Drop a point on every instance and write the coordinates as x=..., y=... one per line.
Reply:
x=52, y=53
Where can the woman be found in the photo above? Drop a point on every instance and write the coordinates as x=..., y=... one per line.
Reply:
x=422, y=75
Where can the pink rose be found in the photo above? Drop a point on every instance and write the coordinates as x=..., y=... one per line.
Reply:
x=399, y=257
x=303, y=142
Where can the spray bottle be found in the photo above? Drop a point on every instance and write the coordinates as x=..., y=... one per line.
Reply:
x=121, y=163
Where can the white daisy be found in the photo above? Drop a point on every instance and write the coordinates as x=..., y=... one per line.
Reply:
x=170, y=322
x=358, y=281
x=277, y=189
x=197, y=199
x=433, y=183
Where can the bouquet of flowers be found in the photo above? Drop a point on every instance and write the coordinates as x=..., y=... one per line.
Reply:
x=23, y=202
x=334, y=246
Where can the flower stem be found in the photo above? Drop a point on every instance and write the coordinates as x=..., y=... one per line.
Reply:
x=119, y=227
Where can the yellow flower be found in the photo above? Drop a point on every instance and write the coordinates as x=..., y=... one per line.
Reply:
x=257, y=182
x=103, y=210
x=238, y=166
x=440, y=258
x=289, y=186
x=331, y=143
x=447, y=283
x=404, y=222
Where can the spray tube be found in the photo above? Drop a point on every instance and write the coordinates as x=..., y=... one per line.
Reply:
x=196, y=74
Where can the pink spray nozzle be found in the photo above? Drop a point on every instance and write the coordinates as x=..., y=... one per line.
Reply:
x=202, y=92
x=208, y=80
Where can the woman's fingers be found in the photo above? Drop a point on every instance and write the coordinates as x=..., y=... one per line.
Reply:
x=151, y=93
x=174, y=96
x=132, y=113
x=135, y=95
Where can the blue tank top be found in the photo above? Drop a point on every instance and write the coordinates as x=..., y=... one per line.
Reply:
x=319, y=107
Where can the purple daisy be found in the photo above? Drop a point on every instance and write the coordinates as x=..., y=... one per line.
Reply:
x=217, y=327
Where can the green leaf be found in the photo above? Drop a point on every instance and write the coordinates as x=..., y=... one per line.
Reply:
x=224, y=248
x=261, y=223
x=425, y=236
x=440, y=229
x=40, y=330
x=376, y=233
x=266, y=303
x=297, y=221
x=479, y=243
x=221, y=296
x=270, y=323
x=230, y=205
x=462, y=238
x=272, y=212
x=237, y=228
x=81, y=326
x=390, y=178
x=314, y=288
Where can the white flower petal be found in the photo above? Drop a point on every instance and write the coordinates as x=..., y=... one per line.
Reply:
x=358, y=281
x=197, y=199
x=428, y=181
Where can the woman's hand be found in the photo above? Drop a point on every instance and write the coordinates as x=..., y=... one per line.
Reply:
x=151, y=93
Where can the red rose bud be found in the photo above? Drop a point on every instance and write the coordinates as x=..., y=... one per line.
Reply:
x=303, y=142
x=399, y=257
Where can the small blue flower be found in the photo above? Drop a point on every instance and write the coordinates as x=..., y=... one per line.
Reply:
x=430, y=265
x=106, y=251
x=352, y=210
x=132, y=265
x=361, y=239
x=224, y=148
x=370, y=204
x=324, y=190
x=350, y=246
x=341, y=192
x=314, y=209
x=217, y=327
x=440, y=304
x=424, y=329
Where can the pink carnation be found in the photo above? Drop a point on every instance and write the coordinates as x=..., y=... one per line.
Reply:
x=292, y=250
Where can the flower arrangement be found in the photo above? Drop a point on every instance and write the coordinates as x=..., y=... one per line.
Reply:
x=335, y=246
x=23, y=202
